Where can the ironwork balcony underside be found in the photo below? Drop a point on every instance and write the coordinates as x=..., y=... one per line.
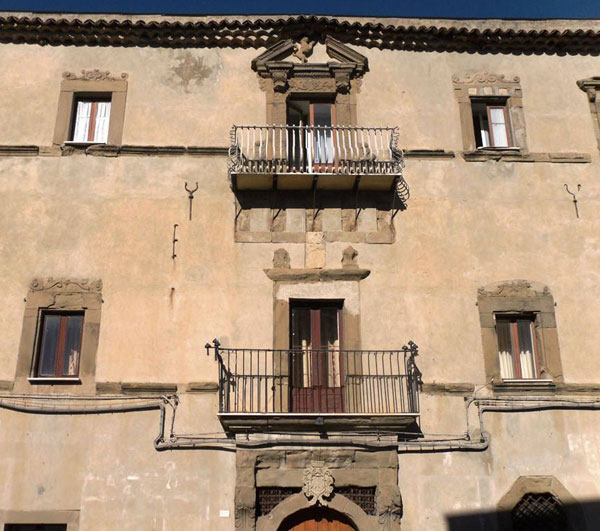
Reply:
x=301, y=157
x=325, y=390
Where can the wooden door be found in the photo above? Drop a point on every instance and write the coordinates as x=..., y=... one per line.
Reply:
x=323, y=524
x=316, y=359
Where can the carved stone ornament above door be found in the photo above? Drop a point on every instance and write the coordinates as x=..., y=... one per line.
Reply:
x=318, y=483
x=275, y=63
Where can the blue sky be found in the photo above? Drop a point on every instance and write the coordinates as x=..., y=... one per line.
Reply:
x=401, y=8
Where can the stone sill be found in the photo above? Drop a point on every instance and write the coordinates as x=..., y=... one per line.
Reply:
x=510, y=386
x=74, y=380
x=440, y=388
x=515, y=155
x=131, y=388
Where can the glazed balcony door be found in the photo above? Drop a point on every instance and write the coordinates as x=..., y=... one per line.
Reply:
x=316, y=364
x=311, y=143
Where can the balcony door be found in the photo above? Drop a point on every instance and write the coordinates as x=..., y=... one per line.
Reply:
x=311, y=142
x=316, y=363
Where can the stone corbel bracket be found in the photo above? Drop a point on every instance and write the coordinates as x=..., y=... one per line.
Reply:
x=591, y=86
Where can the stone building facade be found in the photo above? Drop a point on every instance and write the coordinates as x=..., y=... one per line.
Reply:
x=264, y=272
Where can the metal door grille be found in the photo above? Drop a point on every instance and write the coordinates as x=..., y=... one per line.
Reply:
x=364, y=497
x=539, y=512
x=267, y=498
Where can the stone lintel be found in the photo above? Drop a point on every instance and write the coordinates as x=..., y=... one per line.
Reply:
x=434, y=388
x=316, y=275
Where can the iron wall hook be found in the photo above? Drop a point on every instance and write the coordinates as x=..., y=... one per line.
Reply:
x=191, y=196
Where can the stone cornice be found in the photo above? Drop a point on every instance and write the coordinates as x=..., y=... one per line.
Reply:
x=247, y=32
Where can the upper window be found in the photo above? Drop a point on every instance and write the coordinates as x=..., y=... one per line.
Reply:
x=517, y=346
x=91, y=108
x=491, y=113
x=91, y=118
x=491, y=124
x=59, y=345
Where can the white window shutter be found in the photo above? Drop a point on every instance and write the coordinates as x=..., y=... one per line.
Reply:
x=102, y=121
x=82, y=121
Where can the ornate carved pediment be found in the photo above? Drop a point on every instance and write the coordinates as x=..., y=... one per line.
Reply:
x=318, y=483
x=591, y=86
x=94, y=75
x=66, y=285
x=515, y=288
x=484, y=78
x=346, y=64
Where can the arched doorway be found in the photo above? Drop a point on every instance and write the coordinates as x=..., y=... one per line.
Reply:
x=317, y=519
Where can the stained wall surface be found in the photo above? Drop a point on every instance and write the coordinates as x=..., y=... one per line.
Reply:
x=467, y=224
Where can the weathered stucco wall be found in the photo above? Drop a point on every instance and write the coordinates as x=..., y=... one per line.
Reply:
x=467, y=224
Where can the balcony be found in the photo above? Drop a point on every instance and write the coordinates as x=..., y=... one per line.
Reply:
x=305, y=157
x=265, y=390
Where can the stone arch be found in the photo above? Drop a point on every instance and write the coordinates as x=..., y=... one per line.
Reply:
x=537, y=485
x=297, y=502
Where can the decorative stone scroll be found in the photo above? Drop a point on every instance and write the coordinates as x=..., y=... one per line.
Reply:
x=93, y=75
x=484, y=77
x=318, y=483
x=516, y=288
x=66, y=285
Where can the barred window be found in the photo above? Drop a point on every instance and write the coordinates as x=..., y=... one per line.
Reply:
x=539, y=512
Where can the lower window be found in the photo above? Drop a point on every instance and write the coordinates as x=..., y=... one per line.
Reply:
x=517, y=347
x=35, y=527
x=59, y=345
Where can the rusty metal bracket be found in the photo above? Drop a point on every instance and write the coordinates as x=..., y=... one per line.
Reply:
x=574, y=198
x=175, y=240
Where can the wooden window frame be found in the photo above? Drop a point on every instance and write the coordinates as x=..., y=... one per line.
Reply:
x=507, y=127
x=493, y=103
x=94, y=99
x=60, y=345
x=73, y=88
x=514, y=337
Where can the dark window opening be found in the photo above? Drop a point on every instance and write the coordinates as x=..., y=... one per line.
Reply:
x=539, y=512
x=35, y=527
x=59, y=344
x=517, y=346
x=491, y=123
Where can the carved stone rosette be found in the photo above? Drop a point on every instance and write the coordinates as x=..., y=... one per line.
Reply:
x=318, y=483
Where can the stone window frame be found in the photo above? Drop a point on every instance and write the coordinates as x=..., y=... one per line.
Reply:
x=71, y=518
x=67, y=295
x=483, y=86
x=591, y=86
x=539, y=485
x=91, y=83
x=515, y=297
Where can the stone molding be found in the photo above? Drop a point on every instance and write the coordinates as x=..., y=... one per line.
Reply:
x=520, y=296
x=489, y=85
x=516, y=155
x=316, y=275
x=591, y=86
x=68, y=517
x=66, y=285
x=94, y=75
x=538, y=485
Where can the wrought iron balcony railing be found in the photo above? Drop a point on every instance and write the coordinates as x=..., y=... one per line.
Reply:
x=341, y=382
x=304, y=150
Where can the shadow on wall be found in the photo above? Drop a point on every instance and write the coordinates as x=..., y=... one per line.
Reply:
x=584, y=516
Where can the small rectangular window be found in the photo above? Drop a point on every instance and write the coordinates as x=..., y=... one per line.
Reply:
x=59, y=345
x=517, y=347
x=91, y=117
x=491, y=124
